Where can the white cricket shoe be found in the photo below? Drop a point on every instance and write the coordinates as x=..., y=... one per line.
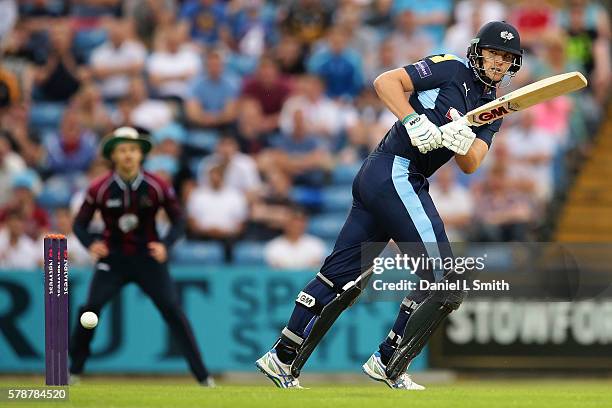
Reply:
x=375, y=369
x=209, y=382
x=277, y=371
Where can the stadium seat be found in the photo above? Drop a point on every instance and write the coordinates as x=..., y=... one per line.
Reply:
x=337, y=198
x=345, y=173
x=249, y=253
x=326, y=226
x=46, y=114
x=195, y=252
x=202, y=139
x=307, y=196
x=56, y=192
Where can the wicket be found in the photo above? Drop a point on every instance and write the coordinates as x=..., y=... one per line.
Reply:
x=56, y=310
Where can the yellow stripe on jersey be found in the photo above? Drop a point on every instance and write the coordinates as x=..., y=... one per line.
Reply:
x=445, y=57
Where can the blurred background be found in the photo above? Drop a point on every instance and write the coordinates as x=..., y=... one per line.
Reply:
x=261, y=113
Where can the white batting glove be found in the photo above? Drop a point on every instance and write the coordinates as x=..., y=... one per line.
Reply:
x=457, y=135
x=423, y=134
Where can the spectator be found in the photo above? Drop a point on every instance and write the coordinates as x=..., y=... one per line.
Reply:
x=14, y=124
x=385, y=60
x=290, y=55
x=295, y=249
x=79, y=255
x=30, y=37
x=409, y=40
x=40, y=8
x=25, y=186
x=95, y=8
x=470, y=13
x=60, y=77
x=93, y=114
x=206, y=20
x=240, y=170
x=270, y=89
x=532, y=19
x=300, y=154
x=462, y=32
x=320, y=113
x=173, y=64
x=212, y=99
x=17, y=249
x=372, y=121
x=552, y=54
x=272, y=209
x=308, y=20
x=453, y=202
x=362, y=38
x=118, y=59
x=588, y=26
x=10, y=165
x=150, y=15
x=553, y=116
x=430, y=15
x=168, y=143
x=252, y=31
x=250, y=128
x=504, y=212
x=379, y=15
x=10, y=91
x=73, y=149
x=531, y=152
x=8, y=18
x=162, y=165
x=166, y=167
x=338, y=66
x=216, y=211
x=146, y=113
x=169, y=140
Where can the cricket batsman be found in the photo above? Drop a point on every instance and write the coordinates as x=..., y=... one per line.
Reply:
x=130, y=250
x=391, y=201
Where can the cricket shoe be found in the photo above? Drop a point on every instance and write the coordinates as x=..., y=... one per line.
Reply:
x=375, y=369
x=209, y=382
x=277, y=371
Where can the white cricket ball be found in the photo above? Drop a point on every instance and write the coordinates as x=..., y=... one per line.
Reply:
x=89, y=320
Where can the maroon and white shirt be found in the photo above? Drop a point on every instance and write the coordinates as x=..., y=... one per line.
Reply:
x=129, y=211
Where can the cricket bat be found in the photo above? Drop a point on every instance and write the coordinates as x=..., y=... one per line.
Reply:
x=526, y=96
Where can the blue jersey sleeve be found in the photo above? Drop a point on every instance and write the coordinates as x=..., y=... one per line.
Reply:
x=434, y=71
x=488, y=131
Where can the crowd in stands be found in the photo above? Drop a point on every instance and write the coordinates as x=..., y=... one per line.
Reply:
x=261, y=113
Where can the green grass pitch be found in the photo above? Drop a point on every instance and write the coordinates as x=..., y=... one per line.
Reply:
x=177, y=393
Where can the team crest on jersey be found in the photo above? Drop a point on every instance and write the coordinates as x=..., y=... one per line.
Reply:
x=423, y=69
x=448, y=115
x=128, y=222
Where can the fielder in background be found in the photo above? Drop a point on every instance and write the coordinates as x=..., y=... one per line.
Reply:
x=130, y=250
x=391, y=201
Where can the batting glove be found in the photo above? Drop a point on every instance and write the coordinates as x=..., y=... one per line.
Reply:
x=423, y=134
x=457, y=135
